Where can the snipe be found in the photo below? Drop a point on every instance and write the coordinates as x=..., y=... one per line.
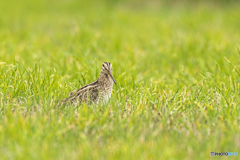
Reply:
x=97, y=91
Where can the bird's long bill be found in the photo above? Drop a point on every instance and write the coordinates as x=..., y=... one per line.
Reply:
x=112, y=78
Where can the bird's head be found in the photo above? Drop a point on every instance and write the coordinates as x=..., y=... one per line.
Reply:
x=107, y=70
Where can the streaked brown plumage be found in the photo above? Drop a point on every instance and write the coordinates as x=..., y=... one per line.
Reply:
x=99, y=90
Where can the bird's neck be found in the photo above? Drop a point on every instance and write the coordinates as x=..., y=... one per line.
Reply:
x=105, y=79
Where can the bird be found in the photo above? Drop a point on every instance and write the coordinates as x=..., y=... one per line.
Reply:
x=98, y=91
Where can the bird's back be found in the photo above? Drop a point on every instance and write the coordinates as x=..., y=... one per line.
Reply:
x=86, y=93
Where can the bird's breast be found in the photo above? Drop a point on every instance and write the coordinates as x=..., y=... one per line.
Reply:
x=106, y=93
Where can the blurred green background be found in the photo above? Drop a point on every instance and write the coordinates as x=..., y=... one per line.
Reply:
x=176, y=64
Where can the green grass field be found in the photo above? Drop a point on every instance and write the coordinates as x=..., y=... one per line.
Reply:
x=177, y=67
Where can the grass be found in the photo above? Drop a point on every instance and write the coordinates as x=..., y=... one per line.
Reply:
x=176, y=67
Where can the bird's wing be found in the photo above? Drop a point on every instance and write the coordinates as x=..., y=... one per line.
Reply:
x=80, y=93
x=83, y=93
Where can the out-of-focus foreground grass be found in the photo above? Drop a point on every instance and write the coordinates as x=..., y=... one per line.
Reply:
x=176, y=67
